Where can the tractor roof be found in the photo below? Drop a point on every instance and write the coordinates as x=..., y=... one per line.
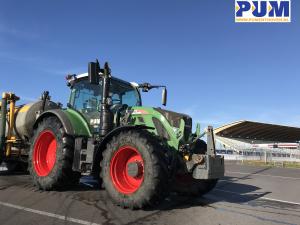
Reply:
x=259, y=131
x=85, y=75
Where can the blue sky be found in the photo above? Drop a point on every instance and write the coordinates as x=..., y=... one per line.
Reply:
x=216, y=70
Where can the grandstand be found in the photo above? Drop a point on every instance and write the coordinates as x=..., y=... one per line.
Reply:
x=257, y=140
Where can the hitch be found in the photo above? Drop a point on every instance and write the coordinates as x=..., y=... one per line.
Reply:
x=211, y=147
x=210, y=165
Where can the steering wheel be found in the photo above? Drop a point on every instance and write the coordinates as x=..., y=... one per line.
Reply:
x=118, y=107
x=115, y=107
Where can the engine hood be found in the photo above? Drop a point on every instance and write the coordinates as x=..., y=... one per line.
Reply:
x=174, y=119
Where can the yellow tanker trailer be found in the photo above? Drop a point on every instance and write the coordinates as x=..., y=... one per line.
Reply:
x=16, y=128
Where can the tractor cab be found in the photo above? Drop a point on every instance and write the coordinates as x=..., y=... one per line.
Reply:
x=85, y=97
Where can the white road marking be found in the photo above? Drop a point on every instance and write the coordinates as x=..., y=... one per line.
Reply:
x=277, y=200
x=43, y=213
x=263, y=175
x=264, y=198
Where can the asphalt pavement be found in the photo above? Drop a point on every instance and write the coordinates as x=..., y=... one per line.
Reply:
x=247, y=195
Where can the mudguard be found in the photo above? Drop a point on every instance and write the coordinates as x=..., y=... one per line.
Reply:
x=73, y=123
x=117, y=130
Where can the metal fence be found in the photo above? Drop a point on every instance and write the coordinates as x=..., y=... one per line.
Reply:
x=264, y=155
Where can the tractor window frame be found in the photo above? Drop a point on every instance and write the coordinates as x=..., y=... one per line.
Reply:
x=114, y=81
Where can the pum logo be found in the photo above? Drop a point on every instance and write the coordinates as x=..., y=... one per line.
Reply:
x=262, y=11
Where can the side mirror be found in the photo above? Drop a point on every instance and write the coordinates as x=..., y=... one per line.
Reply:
x=93, y=71
x=164, y=96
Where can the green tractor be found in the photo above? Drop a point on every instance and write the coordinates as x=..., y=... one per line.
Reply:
x=139, y=154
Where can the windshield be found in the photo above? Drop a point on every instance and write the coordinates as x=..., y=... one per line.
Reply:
x=85, y=97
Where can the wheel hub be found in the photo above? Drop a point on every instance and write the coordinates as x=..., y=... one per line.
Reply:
x=134, y=169
x=127, y=170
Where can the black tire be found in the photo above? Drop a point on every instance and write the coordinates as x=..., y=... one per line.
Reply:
x=156, y=174
x=61, y=173
x=185, y=184
x=97, y=168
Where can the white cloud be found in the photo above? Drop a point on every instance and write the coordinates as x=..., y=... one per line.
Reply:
x=7, y=56
x=18, y=33
x=49, y=66
x=64, y=72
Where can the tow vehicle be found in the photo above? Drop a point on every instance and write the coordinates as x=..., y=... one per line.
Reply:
x=138, y=153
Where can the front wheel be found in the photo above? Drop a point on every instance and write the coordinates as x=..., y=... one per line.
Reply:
x=134, y=170
x=51, y=155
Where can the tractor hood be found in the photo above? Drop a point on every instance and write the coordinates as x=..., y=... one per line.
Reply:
x=172, y=126
x=174, y=119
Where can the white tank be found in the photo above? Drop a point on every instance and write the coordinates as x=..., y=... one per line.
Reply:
x=26, y=116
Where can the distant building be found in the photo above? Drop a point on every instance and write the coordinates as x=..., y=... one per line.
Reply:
x=249, y=135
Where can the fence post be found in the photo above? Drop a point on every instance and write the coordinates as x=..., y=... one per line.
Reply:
x=243, y=154
x=265, y=156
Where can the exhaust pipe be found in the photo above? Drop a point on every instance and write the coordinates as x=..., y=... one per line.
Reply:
x=106, y=116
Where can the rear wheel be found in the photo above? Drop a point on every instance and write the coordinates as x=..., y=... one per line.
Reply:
x=185, y=183
x=134, y=170
x=51, y=156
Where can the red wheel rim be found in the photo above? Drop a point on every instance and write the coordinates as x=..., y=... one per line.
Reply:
x=122, y=180
x=44, y=153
